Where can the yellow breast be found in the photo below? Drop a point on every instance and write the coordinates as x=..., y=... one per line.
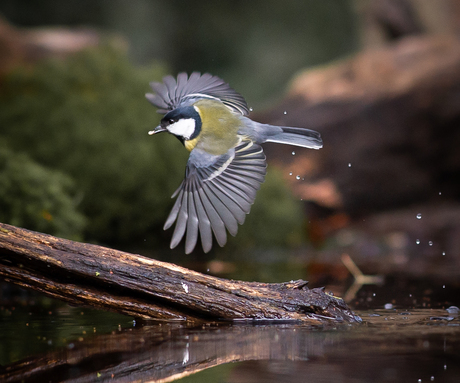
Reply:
x=219, y=128
x=190, y=144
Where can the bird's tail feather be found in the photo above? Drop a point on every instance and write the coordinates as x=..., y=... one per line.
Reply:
x=296, y=136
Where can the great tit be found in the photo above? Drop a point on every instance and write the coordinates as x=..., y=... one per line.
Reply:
x=226, y=165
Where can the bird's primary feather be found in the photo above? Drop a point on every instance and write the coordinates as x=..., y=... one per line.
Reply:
x=216, y=194
x=172, y=93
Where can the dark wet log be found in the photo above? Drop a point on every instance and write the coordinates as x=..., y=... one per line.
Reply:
x=89, y=275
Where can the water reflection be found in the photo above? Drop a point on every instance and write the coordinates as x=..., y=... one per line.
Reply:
x=391, y=345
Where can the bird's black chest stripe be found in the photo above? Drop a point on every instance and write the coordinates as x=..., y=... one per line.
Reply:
x=198, y=124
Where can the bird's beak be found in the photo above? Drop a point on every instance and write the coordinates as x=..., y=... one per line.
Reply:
x=158, y=129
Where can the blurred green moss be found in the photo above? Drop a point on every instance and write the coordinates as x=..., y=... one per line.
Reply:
x=37, y=198
x=276, y=218
x=86, y=118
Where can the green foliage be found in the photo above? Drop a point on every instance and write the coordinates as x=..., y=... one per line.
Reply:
x=276, y=218
x=37, y=198
x=86, y=116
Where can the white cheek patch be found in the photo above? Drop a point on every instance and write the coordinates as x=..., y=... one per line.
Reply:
x=185, y=127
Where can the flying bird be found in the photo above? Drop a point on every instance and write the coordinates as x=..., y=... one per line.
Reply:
x=226, y=165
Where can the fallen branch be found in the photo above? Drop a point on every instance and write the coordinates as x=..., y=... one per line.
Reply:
x=89, y=275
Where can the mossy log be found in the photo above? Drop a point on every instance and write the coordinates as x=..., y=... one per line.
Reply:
x=88, y=275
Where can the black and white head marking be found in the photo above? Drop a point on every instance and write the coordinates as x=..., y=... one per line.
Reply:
x=183, y=122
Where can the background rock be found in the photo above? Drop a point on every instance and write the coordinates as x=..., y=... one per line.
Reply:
x=389, y=118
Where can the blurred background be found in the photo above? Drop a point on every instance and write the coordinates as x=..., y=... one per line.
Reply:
x=380, y=80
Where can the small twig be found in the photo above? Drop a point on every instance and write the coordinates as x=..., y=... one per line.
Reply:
x=359, y=278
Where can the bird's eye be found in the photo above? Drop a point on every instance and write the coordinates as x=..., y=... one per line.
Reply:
x=171, y=121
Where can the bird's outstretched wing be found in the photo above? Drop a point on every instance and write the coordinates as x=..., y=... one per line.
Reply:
x=216, y=195
x=172, y=93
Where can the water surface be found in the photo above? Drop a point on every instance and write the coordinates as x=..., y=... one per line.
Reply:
x=50, y=341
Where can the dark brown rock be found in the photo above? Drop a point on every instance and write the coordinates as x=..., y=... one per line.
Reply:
x=19, y=46
x=390, y=122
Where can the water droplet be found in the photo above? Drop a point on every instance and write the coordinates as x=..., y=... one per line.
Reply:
x=417, y=241
x=439, y=193
x=290, y=173
x=388, y=306
x=443, y=253
x=420, y=381
x=430, y=243
x=432, y=378
x=349, y=164
x=453, y=310
x=284, y=112
x=443, y=286
x=445, y=367
x=251, y=109
x=419, y=216
x=297, y=177
x=293, y=153
x=373, y=294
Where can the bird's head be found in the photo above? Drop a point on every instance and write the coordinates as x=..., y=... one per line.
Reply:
x=183, y=122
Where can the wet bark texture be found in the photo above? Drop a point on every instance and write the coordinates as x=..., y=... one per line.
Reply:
x=89, y=275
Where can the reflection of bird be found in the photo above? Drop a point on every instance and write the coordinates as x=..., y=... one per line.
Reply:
x=226, y=165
